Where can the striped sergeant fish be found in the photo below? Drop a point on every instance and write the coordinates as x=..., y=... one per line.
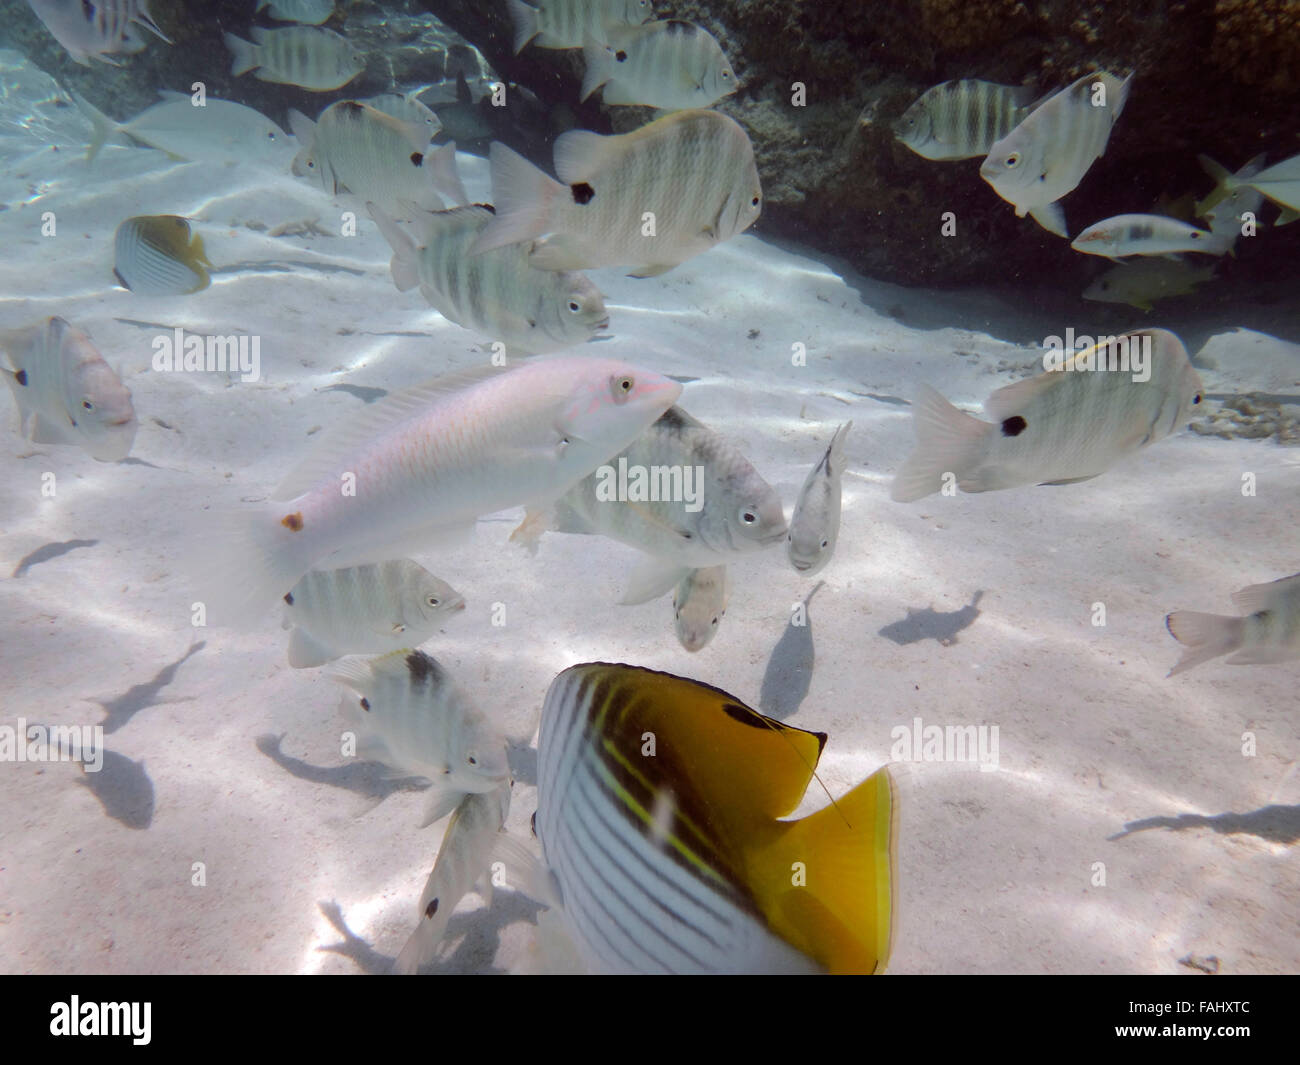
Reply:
x=500, y=293
x=1269, y=633
x=95, y=29
x=962, y=119
x=377, y=158
x=692, y=171
x=365, y=609
x=307, y=56
x=671, y=65
x=154, y=255
x=658, y=807
x=1146, y=234
x=1047, y=155
x=567, y=23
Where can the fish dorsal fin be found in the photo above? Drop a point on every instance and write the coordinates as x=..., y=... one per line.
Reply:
x=842, y=913
x=834, y=458
x=302, y=127
x=744, y=768
x=329, y=457
x=1256, y=597
x=436, y=225
x=580, y=153
x=1015, y=397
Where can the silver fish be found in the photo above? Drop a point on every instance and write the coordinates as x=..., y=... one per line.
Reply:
x=815, y=524
x=308, y=12
x=1281, y=184
x=307, y=56
x=567, y=23
x=1269, y=633
x=1068, y=424
x=409, y=714
x=66, y=392
x=1145, y=234
x=649, y=199
x=962, y=119
x=1225, y=208
x=365, y=609
x=96, y=29
x=406, y=107
x=671, y=65
x=1141, y=283
x=699, y=603
x=499, y=293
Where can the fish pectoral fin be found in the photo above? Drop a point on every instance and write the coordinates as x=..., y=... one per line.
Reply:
x=651, y=579
x=305, y=650
x=528, y=533
x=526, y=871
x=442, y=801
x=43, y=429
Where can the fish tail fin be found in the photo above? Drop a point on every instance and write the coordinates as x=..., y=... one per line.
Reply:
x=441, y=164
x=404, y=264
x=826, y=883
x=246, y=565
x=243, y=54
x=522, y=196
x=526, y=24
x=599, y=70
x=1208, y=636
x=101, y=126
x=145, y=19
x=1051, y=216
x=947, y=440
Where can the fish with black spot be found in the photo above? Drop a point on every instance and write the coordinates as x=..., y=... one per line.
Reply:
x=670, y=64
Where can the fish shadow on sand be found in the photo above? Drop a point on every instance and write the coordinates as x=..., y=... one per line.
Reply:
x=790, y=666
x=931, y=624
x=123, y=789
x=1277, y=824
x=47, y=552
x=139, y=697
x=369, y=779
x=479, y=933
x=363, y=392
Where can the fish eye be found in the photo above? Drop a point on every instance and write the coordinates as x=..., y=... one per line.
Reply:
x=621, y=388
x=87, y=405
x=753, y=202
x=825, y=544
x=270, y=134
x=575, y=306
x=715, y=621
x=472, y=760
x=725, y=73
x=1196, y=399
x=1013, y=159
x=432, y=600
x=748, y=517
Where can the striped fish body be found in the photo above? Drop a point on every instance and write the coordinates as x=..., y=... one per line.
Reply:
x=365, y=610
x=428, y=460
x=409, y=714
x=500, y=293
x=738, y=510
x=154, y=255
x=815, y=524
x=961, y=119
x=96, y=29
x=407, y=108
x=1145, y=234
x=673, y=65
x=567, y=23
x=672, y=859
x=1269, y=633
x=355, y=148
x=1046, y=155
x=650, y=199
x=66, y=392
x=307, y=12
x=463, y=858
x=307, y=56
x=699, y=603
x=1065, y=425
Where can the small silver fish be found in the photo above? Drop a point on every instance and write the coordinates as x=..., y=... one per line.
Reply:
x=1269, y=633
x=406, y=107
x=815, y=524
x=96, y=29
x=154, y=255
x=307, y=56
x=671, y=65
x=567, y=23
x=463, y=858
x=699, y=603
x=409, y=714
x=499, y=293
x=66, y=392
x=1141, y=283
x=1145, y=234
x=962, y=119
x=1281, y=184
x=308, y=12
x=365, y=609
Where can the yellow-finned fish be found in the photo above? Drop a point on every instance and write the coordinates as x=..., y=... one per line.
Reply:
x=699, y=603
x=1269, y=633
x=1068, y=424
x=155, y=255
x=673, y=65
x=962, y=119
x=307, y=56
x=659, y=810
x=1141, y=283
x=66, y=392
x=1047, y=155
x=567, y=23
x=649, y=199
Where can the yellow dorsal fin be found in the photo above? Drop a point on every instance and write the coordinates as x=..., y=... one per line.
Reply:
x=825, y=884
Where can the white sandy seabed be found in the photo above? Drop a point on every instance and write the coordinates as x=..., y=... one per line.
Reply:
x=998, y=871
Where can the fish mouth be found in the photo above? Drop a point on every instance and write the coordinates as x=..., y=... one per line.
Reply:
x=801, y=566
x=596, y=327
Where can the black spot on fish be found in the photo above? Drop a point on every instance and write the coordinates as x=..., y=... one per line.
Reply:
x=621, y=56
x=431, y=909
x=288, y=598
x=365, y=704
x=351, y=107
x=292, y=522
x=423, y=668
x=486, y=207
x=1014, y=426
x=582, y=193
x=744, y=715
x=1142, y=232
x=416, y=158
x=1197, y=399
x=88, y=9
x=21, y=377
